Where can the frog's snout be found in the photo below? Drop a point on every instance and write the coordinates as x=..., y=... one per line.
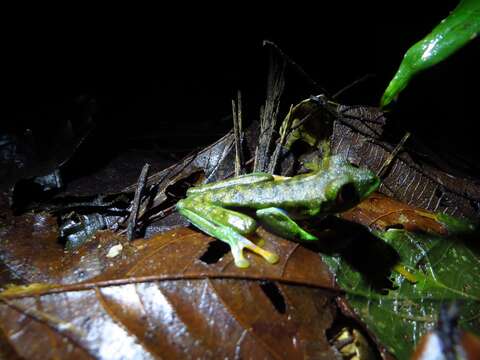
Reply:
x=369, y=185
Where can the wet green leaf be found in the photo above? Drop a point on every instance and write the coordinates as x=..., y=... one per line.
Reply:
x=446, y=269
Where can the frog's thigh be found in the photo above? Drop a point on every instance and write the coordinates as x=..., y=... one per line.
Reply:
x=239, y=222
x=247, y=179
x=280, y=223
x=214, y=228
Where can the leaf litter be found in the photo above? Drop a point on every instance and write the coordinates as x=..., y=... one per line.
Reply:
x=179, y=293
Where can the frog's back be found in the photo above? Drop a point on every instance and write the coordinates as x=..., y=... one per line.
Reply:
x=295, y=193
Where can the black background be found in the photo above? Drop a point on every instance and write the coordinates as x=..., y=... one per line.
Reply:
x=169, y=73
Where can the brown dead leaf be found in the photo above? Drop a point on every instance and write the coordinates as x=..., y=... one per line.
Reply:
x=157, y=297
x=176, y=255
x=209, y=318
x=30, y=252
x=417, y=178
x=28, y=246
x=380, y=211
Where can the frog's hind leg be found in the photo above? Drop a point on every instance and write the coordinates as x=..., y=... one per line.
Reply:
x=219, y=223
x=280, y=223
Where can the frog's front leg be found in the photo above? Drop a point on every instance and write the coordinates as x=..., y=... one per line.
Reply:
x=226, y=225
x=280, y=223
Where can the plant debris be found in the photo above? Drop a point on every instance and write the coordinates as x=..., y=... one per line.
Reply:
x=132, y=220
x=125, y=298
x=81, y=263
x=439, y=255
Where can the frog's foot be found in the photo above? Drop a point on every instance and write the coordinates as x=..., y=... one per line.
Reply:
x=237, y=243
x=229, y=235
x=280, y=223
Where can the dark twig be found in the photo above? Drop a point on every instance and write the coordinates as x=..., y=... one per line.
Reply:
x=157, y=216
x=238, y=134
x=269, y=112
x=162, y=213
x=285, y=129
x=352, y=84
x=296, y=66
x=392, y=155
x=304, y=119
x=132, y=220
x=247, y=163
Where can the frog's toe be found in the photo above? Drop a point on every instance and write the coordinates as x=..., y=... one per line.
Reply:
x=237, y=253
x=241, y=262
x=271, y=257
x=306, y=236
x=267, y=255
x=238, y=242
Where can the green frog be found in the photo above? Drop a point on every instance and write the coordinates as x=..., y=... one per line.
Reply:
x=227, y=209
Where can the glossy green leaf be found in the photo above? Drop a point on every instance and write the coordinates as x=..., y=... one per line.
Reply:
x=446, y=269
x=450, y=35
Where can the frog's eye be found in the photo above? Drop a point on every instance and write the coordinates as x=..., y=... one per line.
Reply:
x=347, y=195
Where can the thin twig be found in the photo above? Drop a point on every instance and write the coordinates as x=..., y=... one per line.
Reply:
x=162, y=213
x=240, y=119
x=304, y=120
x=157, y=216
x=238, y=133
x=132, y=220
x=256, y=161
x=295, y=65
x=285, y=129
x=269, y=112
x=232, y=173
x=392, y=155
x=352, y=84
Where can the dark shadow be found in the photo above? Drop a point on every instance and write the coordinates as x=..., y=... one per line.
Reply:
x=367, y=254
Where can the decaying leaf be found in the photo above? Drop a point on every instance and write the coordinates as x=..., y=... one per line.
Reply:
x=380, y=212
x=410, y=178
x=30, y=252
x=179, y=295
x=159, y=297
x=82, y=212
x=445, y=266
x=415, y=176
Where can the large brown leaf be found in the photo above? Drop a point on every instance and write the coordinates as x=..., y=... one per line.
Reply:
x=414, y=177
x=158, y=298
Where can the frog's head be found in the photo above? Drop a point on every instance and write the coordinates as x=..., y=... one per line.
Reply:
x=348, y=184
